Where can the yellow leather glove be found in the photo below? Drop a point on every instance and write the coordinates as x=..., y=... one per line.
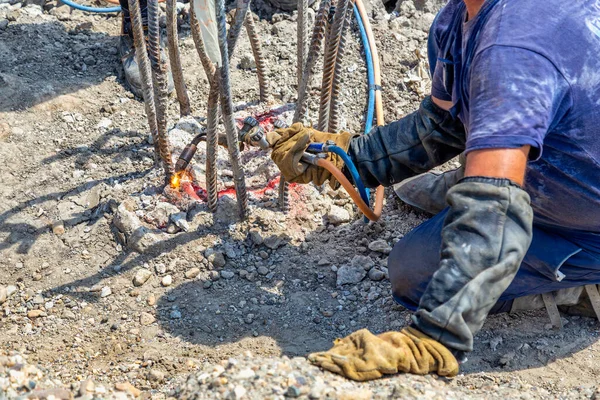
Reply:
x=293, y=142
x=362, y=356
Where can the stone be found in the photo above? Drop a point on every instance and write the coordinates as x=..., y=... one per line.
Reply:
x=256, y=237
x=217, y=259
x=175, y=314
x=180, y=220
x=58, y=228
x=192, y=273
x=105, y=292
x=129, y=388
x=3, y=24
x=10, y=290
x=227, y=274
x=151, y=299
x=376, y=275
x=362, y=261
x=167, y=281
x=36, y=314
x=3, y=294
x=247, y=62
x=348, y=274
x=141, y=276
x=380, y=246
x=146, y=319
x=337, y=215
x=262, y=270
x=86, y=387
x=156, y=376
x=273, y=242
x=161, y=213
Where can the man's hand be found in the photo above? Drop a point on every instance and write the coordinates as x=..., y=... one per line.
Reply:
x=293, y=142
x=362, y=356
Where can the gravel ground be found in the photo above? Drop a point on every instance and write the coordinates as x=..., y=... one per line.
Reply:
x=111, y=285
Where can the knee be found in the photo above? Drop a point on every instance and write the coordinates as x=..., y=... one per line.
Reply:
x=403, y=269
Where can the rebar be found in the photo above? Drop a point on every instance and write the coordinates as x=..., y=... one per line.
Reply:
x=333, y=41
x=334, y=101
x=160, y=82
x=301, y=41
x=211, y=143
x=175, y=60
x=227, y=112
x=209, y=67
x=261, y=68
x=316, y=41
x=145, y=74
x=236, y=27
x=284, y=195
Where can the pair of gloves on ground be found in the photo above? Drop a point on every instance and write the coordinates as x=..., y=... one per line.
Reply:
x=362, y=355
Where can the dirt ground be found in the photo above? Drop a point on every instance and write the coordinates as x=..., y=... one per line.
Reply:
x=75, y=160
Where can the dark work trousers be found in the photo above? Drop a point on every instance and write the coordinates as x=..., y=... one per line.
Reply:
x=126, y=19
x=552, y=262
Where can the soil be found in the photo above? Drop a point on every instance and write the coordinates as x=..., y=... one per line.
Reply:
x=78, y=182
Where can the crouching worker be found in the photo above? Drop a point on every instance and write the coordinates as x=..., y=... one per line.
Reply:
x=516, y=89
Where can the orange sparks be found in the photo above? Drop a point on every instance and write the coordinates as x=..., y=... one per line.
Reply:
x=179, y=177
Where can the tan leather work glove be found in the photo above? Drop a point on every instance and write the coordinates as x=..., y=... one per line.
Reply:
x=288, y=149
x=362, y=356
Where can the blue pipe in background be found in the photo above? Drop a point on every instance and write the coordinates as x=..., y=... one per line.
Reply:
x=370, y=73
x=91, y=9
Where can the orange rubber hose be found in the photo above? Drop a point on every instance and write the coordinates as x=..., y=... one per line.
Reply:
x=364, y=207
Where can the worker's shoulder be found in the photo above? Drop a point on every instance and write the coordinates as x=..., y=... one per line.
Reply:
x=552, y=28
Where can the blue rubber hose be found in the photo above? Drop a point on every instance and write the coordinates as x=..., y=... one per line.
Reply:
x=91, y=9
x=352, y=169
x=370, y=72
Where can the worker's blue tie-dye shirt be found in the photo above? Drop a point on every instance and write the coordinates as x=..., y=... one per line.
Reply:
x=527, y=72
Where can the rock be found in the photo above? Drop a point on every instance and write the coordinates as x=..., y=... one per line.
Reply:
x=247, y=62
x=217, y=259
x=141, y=276
x=105, y=292
x=362, y=261
x=337, y=215
x=256, y=237
x=86, y=387
x=10, y=290
x=507, y=358
x=380, y=246
x=227, y=274
x=192, y=273
x=36, y=314
x=156, y=376
x=129, y=388
x=3, y=24
x=273, y=242
x=151, y=299
x=167, y=281
x=376, y=275
x=160, y=268
x=180, y=220
x=175, y=314
x=350, y=274
x=262, y=270
x=162, y=212
x=3, y=294
x=146, y=319
x=58, y=228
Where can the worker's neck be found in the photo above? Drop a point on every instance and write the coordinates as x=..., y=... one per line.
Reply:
x=473, y=7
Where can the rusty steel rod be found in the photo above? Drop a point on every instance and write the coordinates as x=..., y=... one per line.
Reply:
x=227, y=113
x=175, y=60
x=236, y=27
x=261, y=67
x=332, y=45
x=336, y=85
x=211, y=143
x=160, y=81
x=316, y=42
x=145, y=74
x=302, y=39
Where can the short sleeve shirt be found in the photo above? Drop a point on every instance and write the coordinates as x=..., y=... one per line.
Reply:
x=527, y=72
